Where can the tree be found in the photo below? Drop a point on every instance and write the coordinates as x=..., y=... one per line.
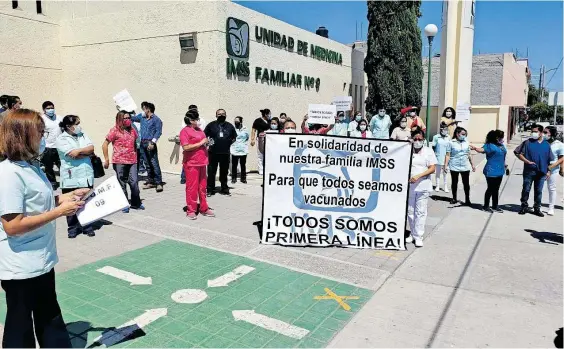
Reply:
x=534, y=95
x=393, y=62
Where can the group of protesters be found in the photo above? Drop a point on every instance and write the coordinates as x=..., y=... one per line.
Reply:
x=30, y=140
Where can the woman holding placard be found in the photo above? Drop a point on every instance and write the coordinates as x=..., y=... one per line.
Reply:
x=362, y=130
x=28, y=251
x=315, y=129
x=75, y=149
x=449, y=118
x=423, y=161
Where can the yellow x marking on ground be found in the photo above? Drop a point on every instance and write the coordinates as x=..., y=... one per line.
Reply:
x=391, y=255
x=338, y=299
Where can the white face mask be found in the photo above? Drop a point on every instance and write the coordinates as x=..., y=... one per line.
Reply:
x=403, y=124
x=198, y=123
x=290, y=130
x=362, y=127
x=418, y=144
x=534, y=135
x=448, y=114
x=443, y=132
x=412, y=114
x=381, y=113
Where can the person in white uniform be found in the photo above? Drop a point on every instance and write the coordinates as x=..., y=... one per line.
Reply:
x=340, y=128
x=557, y=148
x=50, y=156
x=423, y=163
x=440, y=144
x=28, y=249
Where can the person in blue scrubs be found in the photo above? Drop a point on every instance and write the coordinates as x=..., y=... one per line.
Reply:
x=28, y=252
x=440, y=143
x=496, y=153
x=459, y=161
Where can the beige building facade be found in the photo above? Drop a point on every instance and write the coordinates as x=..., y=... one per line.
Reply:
x=79, y=54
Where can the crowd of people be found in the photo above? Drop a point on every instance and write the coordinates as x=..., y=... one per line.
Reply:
x=32, y=144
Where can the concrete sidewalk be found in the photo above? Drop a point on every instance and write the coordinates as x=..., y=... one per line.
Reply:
x=482, y=280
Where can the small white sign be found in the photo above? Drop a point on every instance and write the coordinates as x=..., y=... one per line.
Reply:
x=124, y=100
x=343, y=103
x=106, y=199
x=462, y=111
x=323, y=114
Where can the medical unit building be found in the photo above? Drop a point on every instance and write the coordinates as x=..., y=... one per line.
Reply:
x=215, y=54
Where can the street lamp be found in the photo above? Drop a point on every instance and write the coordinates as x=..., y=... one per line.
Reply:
x=430, y=32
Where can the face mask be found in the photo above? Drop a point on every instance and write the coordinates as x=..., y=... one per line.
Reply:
x=269, y=117
x=221, y=118
x=546, y=137
x=198, y=123
x=290, y=130
x=412, y=114
x=418, y=144
x=42, y=145
x=534, y=135
x=443, y=133
x=448, y=114
x=127, y=123
x=50, y=112
x=237, y=124
x=358, y=118
x=461, y=138
x=381, y=113
x=341, y=118
x=403, y=124
x=501, y=141
x=362, y=127
x=282, y=119
x=273, y=127
x=77, y=130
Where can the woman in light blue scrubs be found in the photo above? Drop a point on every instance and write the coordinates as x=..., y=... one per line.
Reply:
x=440, y=144
x=459, y=161
x=28, y=252
x=74, y=149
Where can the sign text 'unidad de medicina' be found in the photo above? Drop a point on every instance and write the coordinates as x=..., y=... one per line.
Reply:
x=335, y=191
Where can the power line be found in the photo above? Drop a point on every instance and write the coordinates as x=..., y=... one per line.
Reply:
x=549, y=80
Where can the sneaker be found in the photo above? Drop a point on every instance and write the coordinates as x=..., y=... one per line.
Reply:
x=225, y=191
x=141, y=207
x=208, y=213
x=467, y=203
x=125, y=210
x=537, y=212
x=210, y=193
x=409, y=239
x=159, y=188
x=182, y=181
x=73, y=235
x=446, y=190
x=149, y=186
x=233, y=181
x=523, y=210
x=191, y=216
x=550, y=212
x=487, y=209
x=498, y=210
x=90, y=233
x=244, y=181
x=418, y=243
x=453, y=201
x=437, y=188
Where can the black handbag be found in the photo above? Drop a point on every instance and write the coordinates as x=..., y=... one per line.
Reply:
x=97, y=166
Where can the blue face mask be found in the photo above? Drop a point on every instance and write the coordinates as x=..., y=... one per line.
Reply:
x=358, y=118
x=50, y=113
x=461, y=138
x=42, y=145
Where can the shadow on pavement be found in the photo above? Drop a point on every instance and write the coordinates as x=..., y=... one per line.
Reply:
x=510, y=207
x=546, y=237
x=558, y=339
x=110, y=336
x=99, y=224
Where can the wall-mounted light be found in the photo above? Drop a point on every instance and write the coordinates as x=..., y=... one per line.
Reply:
x=188, y=41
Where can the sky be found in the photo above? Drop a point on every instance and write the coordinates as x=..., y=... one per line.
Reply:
x=503, y=26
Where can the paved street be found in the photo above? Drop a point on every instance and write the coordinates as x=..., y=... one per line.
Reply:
x=481, y=279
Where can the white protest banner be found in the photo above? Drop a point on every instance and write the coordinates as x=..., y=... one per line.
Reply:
x=343, y=103
x=107, y=198
x=323, y=114
x=335, y=191
x=124, y=100
x=462, y=111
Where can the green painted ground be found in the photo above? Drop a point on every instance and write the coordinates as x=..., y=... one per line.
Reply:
x=92, y=302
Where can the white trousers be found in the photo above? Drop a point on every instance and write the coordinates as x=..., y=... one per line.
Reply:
x=417, y=212
x=438, y=173
x=552, y=183
x=260, y=161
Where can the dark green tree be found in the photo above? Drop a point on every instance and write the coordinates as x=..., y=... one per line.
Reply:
x=393, y=62
x=534, y=95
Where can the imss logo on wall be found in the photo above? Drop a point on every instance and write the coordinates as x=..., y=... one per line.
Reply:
x=237, y=38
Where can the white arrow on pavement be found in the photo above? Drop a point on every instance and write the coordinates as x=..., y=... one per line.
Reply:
x=270, y=324
x=122, y=332
x=224, y=280
x=133, y=279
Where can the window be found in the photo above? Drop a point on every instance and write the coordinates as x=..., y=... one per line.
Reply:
x=38, y=7
x=14, y=4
